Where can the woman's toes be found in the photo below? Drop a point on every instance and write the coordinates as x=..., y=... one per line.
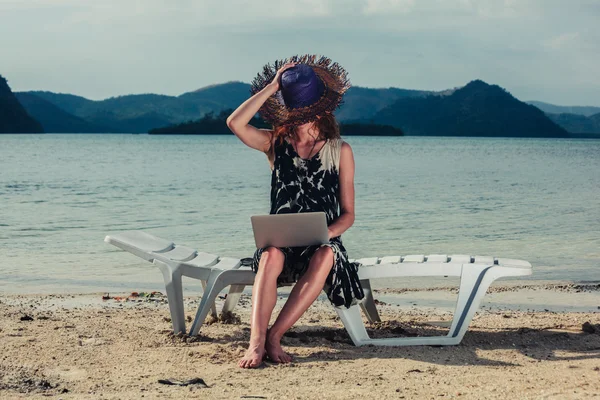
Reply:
x=253, y=357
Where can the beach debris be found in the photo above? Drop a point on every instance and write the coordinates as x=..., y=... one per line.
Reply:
x=182, y=337
x=136, y=296
x=40, y=384
x=26, y=318
x=246, y=396
x=307, y=336
x=227, y=318
x=389, y=327
x=587, y=327
x=194, y=381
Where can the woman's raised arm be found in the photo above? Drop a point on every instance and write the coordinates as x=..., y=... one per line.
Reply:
x=259, y=139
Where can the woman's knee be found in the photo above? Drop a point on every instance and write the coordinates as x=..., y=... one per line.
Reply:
x=272, y=258
x=323, y=258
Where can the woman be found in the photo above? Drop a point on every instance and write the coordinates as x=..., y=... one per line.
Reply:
x=312, y=170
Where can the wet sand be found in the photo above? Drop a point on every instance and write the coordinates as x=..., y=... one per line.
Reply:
x=83, y=347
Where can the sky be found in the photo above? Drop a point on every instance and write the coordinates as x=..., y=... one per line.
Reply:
x=547, y=50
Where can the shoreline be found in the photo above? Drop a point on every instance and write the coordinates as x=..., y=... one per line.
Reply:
x=559, y=296
x=397, y=286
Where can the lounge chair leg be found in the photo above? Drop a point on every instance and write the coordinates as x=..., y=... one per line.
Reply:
x=214, y=287
x=353, y=323
x=473, y=286
x=368, y=303
x=174, y=291
x=235, y=291
x=213, y=306
x=217, y=280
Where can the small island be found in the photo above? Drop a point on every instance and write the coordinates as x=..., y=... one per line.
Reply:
x=211, y=124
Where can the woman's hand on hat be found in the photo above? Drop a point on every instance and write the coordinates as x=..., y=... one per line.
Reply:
x=275, y=82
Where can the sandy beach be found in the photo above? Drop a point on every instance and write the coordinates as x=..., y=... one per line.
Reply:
x=80, y=346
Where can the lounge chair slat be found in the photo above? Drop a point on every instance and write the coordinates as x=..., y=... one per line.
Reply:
x=437, y=258
x=410, y=269
x=511, y=262
x=367, y=261
x=180, y=253
x=460, y=258
x=228, y=263
x=390, y=259
x=414, y=258
x=140, y=240
x=484, y=260
x=203, y=260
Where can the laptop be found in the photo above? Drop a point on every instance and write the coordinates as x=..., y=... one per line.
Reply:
x=290, y=230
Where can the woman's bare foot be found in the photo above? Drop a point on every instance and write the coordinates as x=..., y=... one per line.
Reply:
x=254, y=355
x=274, y=350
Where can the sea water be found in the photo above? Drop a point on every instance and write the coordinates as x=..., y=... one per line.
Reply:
x=531, y=199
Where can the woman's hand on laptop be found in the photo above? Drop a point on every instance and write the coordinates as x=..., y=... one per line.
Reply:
x=329, y=233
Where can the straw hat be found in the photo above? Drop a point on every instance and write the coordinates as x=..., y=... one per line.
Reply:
x=312, y=87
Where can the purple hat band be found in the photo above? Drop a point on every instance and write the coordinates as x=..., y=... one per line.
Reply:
x=300, y=86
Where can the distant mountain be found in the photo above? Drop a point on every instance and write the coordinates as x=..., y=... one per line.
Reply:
x=13, y=117
x=477, y=109
x=554, y=109
x=362, y=103
x=138, y=124
x=54, y=119
x=575, y=123
x=136, y=113
x=217, y=97
x=211, y=124
x=141, y=112
x=67, y=102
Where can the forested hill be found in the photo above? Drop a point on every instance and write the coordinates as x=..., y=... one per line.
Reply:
x=477, y=109
x=13, y=117
x=212, y=124
x=55, y=119
x=578, y=123
x=142, y=112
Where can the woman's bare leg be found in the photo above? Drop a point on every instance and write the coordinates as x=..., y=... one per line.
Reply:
x=304, y=293
x=264, y=297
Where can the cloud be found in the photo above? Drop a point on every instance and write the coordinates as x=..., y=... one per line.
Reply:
x=561, y=41
x=386, y=6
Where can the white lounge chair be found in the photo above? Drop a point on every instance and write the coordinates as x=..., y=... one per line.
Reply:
x=216, y=273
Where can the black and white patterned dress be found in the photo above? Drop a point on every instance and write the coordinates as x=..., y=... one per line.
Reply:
x=308, y=185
